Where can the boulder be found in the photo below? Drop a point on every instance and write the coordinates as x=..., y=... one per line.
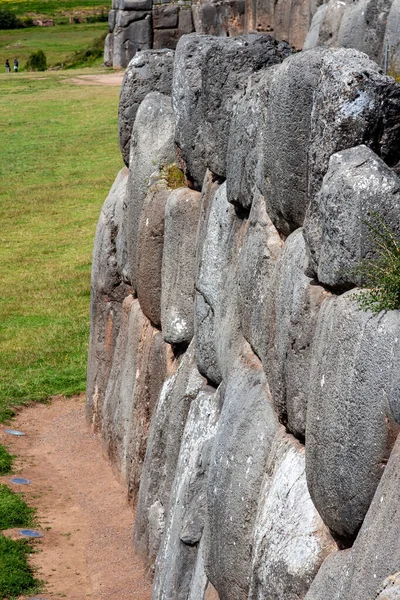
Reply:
x=243, y=439
x=390, y=589
x=217, y=258
x=269, y=138
x=363, y=27
x=150, y=244
x=332, y=578
x=151, y=148
x=288, y=321
x=357, y=186
x=150, y=71
x=256, y=264
x=208, y=72
x=179, y=265
x=108, y=50
x=350, y=431
x=107, y=294
x=127, y=41
x=177, y=557
x=325, y=26
x=162, y=454
x=290, y=540
x=392, y=38
x=165, y=17
x=318, y=20
x=353, y=104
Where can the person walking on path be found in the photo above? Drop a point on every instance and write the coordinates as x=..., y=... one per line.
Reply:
x=7, y=66
x=15, y=65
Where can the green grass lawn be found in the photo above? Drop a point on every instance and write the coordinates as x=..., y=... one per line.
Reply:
x=58, y=43
x=58, y=159
x=53, y=7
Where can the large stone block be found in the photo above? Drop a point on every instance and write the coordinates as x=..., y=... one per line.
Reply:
x=350, y=431
x=162, y=454
x=150, y=245
x=182, y=215
x=185, y=23
x=166, y=38
x=353, y=104
x=292, y=21
x=332, y=578
x=290, y=540
x=357, y=186
x=216, y=263
x=222, y=18
x=269, y=139
x=108, y=50
x=288, y=322
x=150, y=71
x=244, y=436
x=125, y=17
x=325, y=26
x=261, y=248
x=208, y=72
x=128, y=40
x=151, y=147
x=363, y=27
x=135, y=4
x=392, y=38
x=177, y=557
x=165, y=17
x=107, y=294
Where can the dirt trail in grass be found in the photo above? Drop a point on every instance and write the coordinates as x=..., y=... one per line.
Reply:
x=106, y=79
x=86, y=551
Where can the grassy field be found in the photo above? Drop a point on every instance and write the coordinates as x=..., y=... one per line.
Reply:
x=58, y=43
x=52, y=8
x=56, y=167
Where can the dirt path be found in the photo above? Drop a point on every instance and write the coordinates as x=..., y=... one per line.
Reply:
x=105, y=79
x=86, y=551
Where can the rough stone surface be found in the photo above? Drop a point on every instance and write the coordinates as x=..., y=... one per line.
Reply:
x=290, y=318
x=357, y=186
x=107, y=294
x=269, y=138
x=223, y=18
x=151, y=147
x=392, y=37
x=179, y=263
x=215, y=260
x=353, y=104
x=331, y=579
x=165, y=17
x=176, y=561
x=290, y=540
x=150, y=71
x=350, y=431
x=108, y=50
x=390, y=588
x=185, y=22
x=208, y=72
x=162, y=454
x=325, y=26
x=245, y=432
x=150, y=244
x=363, y=27
x=127, y=40
x=166, y=38
x=257, y=261
x=121, y=386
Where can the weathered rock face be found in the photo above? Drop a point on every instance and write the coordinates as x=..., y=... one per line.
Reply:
x=224, y=18
x=208, y=72
x=245, y=432
x=182, y=215
x=291, y=540
x=357, y=186
x=350, y=430
x=107, y=294
x=151, y=147
x=150, y=71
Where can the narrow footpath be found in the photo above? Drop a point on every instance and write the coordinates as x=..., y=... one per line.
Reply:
x=86, y=551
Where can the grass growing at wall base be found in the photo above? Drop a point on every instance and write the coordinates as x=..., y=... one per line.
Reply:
x=56, y=169
x=16, y=577
x=6, y=461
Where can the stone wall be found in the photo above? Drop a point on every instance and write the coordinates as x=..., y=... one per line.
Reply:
x=249, y=406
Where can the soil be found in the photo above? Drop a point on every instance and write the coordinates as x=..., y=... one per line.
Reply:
x=114, y=78
x=86, y=551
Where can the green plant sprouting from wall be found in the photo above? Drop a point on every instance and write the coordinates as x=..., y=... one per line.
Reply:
x=380, y=274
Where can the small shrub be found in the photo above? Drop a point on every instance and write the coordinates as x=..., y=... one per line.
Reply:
x=381, y=275
x=173, y=175
x=36, y=61
x=14, y=512
x=88, y=55
x=16, y=577
x=8, y=19
x=6, y=461
x=99, y=18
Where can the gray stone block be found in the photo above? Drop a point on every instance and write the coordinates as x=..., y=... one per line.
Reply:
x=245, y=432
x=128, y=40
x=165, y=17
x=357, y=186
x=107, y=294
x=125, y=17
x=332, y=578
x=162, y=454
x=108, y=50
x=135, y=5
x=290, y=539
x=185, y=23
x=151, y=147
x=350, y=431
x=166, y=38
x=182, y=215
x=208, y=72
x=392, y=38
x=177, y=557
x=150, y=71
x=325, y=26
x=111, y=20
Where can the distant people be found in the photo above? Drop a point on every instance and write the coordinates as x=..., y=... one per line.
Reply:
x=15, y=65
x=7, y=66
